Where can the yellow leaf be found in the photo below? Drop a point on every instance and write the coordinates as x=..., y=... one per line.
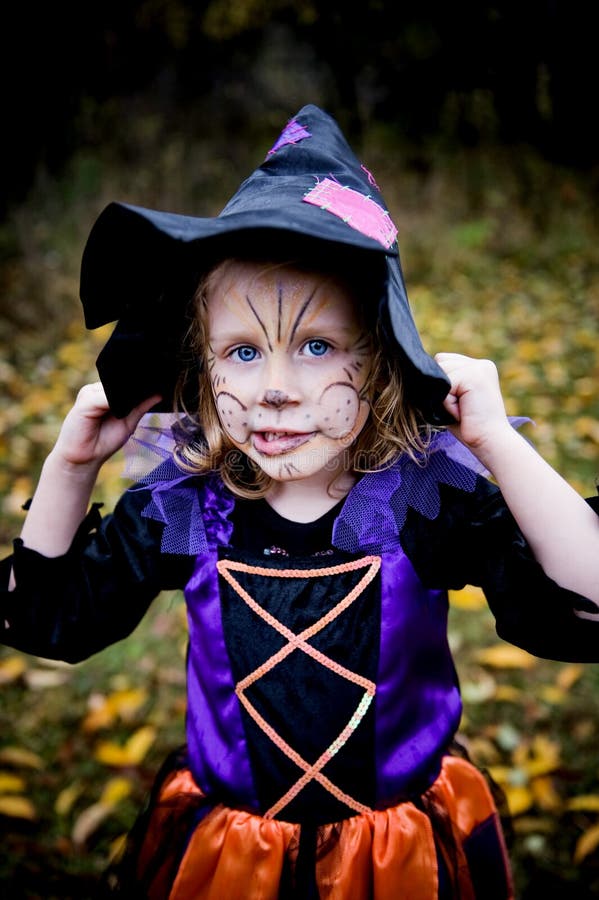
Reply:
x=506, y=656
x=88, y=821
x=100, y=716
x=67, y=798
x=508, y=692
x=569, y=675
x=11, y=668
x=545, y=794
x=20, y=756
x=469, y=597
x=123, y=704
x=17, y=807
x=584, y=803
x=500, y=774
x=131, y=754
x=550, y=693
x=115, y=790
x=540, y=757
x=140, y=742
x=519, y=798
x=117, y=848
x=586, y=843
x=11, y=784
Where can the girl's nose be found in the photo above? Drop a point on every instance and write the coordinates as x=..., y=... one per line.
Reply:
x=275, y=398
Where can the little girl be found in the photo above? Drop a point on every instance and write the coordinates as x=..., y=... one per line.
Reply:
x=315, y=510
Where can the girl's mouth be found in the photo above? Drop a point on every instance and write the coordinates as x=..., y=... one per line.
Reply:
x=271, y=443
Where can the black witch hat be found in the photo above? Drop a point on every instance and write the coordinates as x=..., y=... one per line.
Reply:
x=141, y=266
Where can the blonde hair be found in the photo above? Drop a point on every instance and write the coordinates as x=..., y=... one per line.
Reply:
x=392, y=427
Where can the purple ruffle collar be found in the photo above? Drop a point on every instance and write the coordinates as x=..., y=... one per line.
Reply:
x=196, y=510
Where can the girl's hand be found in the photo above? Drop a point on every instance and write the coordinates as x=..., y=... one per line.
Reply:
x=90, y=434
x=474, y=400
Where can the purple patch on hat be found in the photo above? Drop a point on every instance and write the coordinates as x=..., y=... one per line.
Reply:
x=293, y=133
x=357, y=210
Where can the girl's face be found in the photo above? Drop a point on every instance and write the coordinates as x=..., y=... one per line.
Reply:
x=288, y=361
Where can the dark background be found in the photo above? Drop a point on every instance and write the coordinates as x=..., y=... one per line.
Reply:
x=439, y=74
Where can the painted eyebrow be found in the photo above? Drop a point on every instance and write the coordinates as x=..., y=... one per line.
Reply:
x=280, y=306
x=260, y=322
x=300, y=316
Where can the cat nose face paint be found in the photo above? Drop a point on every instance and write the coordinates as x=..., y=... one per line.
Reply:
x=275, y=398
x=289, y=360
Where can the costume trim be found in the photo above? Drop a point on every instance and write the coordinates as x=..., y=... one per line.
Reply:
x=196, y=509
x=382, y=854
x=299, y=642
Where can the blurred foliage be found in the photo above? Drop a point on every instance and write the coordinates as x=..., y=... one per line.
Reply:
x=462, y=76
x=501, y=258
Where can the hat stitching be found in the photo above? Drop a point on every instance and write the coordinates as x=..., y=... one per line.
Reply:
x=359, y=211
x=293, y=133
x=370, y=176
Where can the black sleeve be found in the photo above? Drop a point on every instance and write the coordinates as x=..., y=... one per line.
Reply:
x=475, y=540
x=72, y=606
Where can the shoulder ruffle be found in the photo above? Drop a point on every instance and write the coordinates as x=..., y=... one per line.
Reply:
x=195, y=509
x=375, y=511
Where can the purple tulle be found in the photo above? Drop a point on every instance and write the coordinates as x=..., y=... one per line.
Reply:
x=196, y=509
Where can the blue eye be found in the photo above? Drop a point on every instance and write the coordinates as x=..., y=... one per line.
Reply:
x=316, y=347
x=244, y=354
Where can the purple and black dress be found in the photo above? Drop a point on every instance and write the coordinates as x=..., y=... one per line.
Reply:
x=323, y=701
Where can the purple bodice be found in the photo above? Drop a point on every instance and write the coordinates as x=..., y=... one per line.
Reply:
x=416, y=701
x=416, y=706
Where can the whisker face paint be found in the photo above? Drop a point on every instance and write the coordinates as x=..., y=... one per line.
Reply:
x=291, y=362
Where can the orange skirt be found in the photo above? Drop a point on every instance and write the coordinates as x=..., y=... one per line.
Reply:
x=392, y=854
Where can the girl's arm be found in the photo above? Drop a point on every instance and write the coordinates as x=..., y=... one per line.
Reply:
x=88, y=437
x=561, y=529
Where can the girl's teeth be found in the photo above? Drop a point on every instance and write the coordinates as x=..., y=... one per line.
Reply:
x=274, y=435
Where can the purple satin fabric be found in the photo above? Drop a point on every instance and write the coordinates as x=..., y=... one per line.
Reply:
x=417, y=703
x=217, y=747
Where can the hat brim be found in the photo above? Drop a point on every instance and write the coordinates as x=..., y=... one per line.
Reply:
x=141, y=267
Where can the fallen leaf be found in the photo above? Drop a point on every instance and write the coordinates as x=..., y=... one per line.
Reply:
x=519, y=798
x=584, y=803
x=506, y=656
x=17, y=807
x=115, y=790
x=117, y=848
x=38, y=679
x=122, y=704
x=539, y=757
x=469, y=597
x=553, y=694
x=586, y=843
x=11, y=668
x=545, y=794
x=11, y=784
x=479, y=690
x=131, y=753
x=20, y=756
x=88, y=821
x=508, y=693
x=569, y=675
x=67, y=798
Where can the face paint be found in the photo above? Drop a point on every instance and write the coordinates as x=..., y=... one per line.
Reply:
x=288, y=360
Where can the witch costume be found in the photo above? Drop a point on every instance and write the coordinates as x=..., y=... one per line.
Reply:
x=323, y=701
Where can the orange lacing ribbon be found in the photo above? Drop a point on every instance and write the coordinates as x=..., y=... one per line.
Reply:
x=299, y=641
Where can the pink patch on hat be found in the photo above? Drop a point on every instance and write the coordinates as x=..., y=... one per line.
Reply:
x=359, y=211
x=293, y=133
